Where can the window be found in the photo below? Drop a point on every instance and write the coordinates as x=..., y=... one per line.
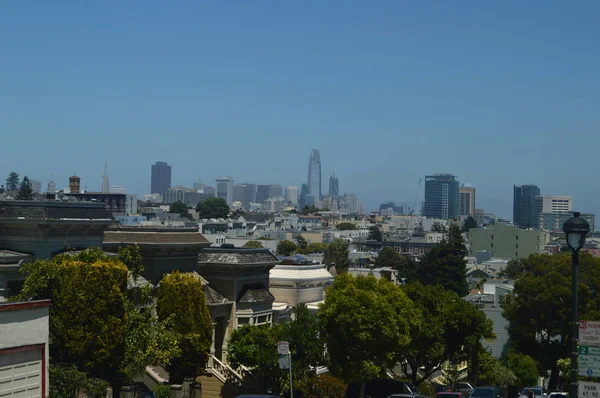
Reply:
x=516, y=254
x=517, y=237
x=243, y=321
x=492, y=236
x=517, y=246
x=492, y=244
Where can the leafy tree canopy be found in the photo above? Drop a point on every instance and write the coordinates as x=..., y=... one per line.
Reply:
x=404, y=265
x=445, y=264
x=286, y=248
x=301, y=242
x=253, y=244
x=537, y=309
x=524, y=368
x=469, y=223
x=181, y=209
x=337, y=253
x=492, y=372
x=438, y=227
x=181, y=295
x=12, y=182
x=367, y=325
x=346, y=226
x=375, y=233
x=213, y=208
x=25, y=190
x=132, y=258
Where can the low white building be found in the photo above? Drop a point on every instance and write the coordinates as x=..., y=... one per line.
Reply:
x=24, y=349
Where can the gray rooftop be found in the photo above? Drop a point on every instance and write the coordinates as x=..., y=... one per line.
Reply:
x=52, y=210
x=255, y=293
x=236, y=256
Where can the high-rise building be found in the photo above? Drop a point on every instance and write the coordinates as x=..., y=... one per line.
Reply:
x=314, y=174
x=263, y=193
x=334, y=185
x=292, y=194
x=117, y=189
x=238, y=193
x=550, y=205
x=225, y=189
x=210, y=192
x=303, y=199
x=275, y=191
x=466, y=206
x=36, y=185
x=523, y=205
x=51, y=187
x=441, y=196
x=198, y=185
x=105, y=185
x=249, y=195
x=161, y=178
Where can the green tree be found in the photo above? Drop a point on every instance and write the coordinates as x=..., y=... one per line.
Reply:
x=438, y=227
x=337, y=253
x=307, y=344
x=322, y=386
x=182, y=295
x=524, y=368
x=12, y=182
x=181, y=209
x=404, y=265
x=469, y=223
x=25, y=190
x=346, y=226
x=213, y=208
x=492, y=372
x=66, y=381
x=451, y=328
x=316, y=248
x=537, y=310
x=301, y=242
x=375, y=233
x=253, y=244
x=286, y=248
x=445, y=264
x=132, y=258
x=367, y=324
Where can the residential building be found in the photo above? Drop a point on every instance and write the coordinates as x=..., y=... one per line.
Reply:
x=553, y=222
x=523, y=205
x=466, y=205
x=274, y=204
x=296, y=283
x=441, y=196
x=24, y=349
x=314, y=174
x=551, y=205
x=160, y=177
x=115, y=203
x=334, y=185
x=262, y=193
x=224, y=189
x=131, y=204
x=292, y=194
x=506, y=241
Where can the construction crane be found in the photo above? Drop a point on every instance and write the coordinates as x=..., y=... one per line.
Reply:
x=412, y=210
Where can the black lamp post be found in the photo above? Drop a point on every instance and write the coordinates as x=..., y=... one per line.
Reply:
x=575, y=229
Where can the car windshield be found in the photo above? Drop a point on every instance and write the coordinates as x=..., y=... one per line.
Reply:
x=483, y=392
x=536, y=391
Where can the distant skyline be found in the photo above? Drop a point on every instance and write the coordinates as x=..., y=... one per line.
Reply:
x=496, y=93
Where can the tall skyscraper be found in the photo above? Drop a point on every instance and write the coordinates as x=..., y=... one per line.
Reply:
x=550, y=205
x=275, y=190
x=334, y=185
x=161, y=178
x=467, y=201
x=225, y=189
x=51, y=187
x=441, y=196
x=36, y=185
x=314, y=174
x=262, y=193
x=249, y=194
x=238, y=193
x=105, y=185
x=524, y=205
x=292, y=194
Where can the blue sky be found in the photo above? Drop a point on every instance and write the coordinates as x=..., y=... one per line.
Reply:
x=389, y=91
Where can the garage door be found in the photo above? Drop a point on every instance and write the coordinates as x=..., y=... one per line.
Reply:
x=21, y=374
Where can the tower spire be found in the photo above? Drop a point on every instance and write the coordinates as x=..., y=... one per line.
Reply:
x=105, y=185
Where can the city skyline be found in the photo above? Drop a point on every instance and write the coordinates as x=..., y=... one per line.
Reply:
x=409, y=80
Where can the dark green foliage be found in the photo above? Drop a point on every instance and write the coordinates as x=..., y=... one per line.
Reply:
x=404, y=265
x=181, y=209
x=213, y=208
x=66, y=382
x=346, y=226
x=253, y=244
x=132, y=258
x=524, y=368
x=375, y=233
x=25, y=190
x=337, y=253
x=12, y=182
x=162, y=391
x=322, y=386
x=469, y=223
x=286, y=248
x=181, y=296
x=445, y=264
x=302, y=244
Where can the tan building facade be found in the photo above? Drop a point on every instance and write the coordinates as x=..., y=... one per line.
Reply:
x=507, y=241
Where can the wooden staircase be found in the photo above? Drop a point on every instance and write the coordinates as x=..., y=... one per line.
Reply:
x=222, y=381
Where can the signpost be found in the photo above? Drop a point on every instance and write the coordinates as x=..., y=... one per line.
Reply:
x=285, y=361
x=589, y=361
x=588, y=389
x=589, y=333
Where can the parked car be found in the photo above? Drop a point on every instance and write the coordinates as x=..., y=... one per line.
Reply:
x=451, y=394
x=383, y=388
x=406, y=396
x=464, y=387
x=485, y=392
x=538, y=392
x=558, y=394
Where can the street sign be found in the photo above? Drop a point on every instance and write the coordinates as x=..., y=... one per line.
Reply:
x=284, y=361
x=589, y=361
x=589, y=333
x=283, y=347
x=588, y=389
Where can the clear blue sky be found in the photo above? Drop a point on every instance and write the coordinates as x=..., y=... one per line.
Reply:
x=389, y=91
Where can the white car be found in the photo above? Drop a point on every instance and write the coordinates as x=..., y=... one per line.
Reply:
x=538, y=392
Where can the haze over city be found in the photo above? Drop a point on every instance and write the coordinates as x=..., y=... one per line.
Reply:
x=496, y=94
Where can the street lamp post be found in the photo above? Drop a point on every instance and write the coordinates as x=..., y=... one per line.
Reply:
x=575, y=229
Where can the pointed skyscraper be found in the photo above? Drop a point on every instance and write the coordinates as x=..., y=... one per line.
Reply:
x=105, y=185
